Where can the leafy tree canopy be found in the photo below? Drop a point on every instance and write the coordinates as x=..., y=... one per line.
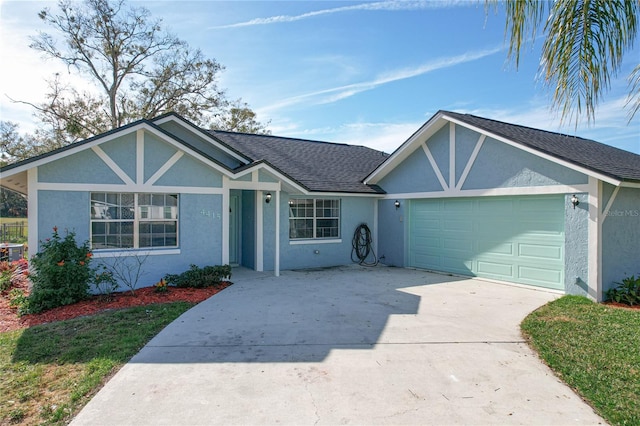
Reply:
x=138, y=69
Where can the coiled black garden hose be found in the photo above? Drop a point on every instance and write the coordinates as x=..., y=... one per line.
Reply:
x=362, y=246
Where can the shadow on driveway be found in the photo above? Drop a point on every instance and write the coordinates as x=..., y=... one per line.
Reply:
x=297, y=317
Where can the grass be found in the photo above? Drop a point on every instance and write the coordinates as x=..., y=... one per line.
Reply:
x=12, y=220
x=49, y=372
x=595, y=349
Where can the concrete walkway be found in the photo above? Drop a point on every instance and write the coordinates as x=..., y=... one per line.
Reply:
x=349, y=345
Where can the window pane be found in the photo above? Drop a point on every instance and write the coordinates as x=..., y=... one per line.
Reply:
x=302, y=213
x=158, y=234
x=300, y=228
x=127, y=200
x=327, y=228
x=144, y=199
x=113, y=217
x=126, y=213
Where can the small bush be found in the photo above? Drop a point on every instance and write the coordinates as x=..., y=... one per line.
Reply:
x=197, y=277
x=104, y=281
x=18, y=299
x=627, y=292
x=62, y=273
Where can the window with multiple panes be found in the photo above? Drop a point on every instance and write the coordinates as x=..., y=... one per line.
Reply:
x=126, y=220
x=311, y=218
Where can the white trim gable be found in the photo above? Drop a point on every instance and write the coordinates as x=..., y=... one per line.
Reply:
x=440, y=120
x=198, y=132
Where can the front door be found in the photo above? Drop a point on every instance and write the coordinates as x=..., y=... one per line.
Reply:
x=234, y=230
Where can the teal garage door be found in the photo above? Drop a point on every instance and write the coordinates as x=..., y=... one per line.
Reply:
x=516, y=239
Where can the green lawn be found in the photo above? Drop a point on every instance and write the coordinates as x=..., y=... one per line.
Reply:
x=49, y=372
x=593, y=348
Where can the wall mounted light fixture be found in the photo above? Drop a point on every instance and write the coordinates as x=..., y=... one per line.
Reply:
x=574, y=201
x=267, y=198
x=397, y=204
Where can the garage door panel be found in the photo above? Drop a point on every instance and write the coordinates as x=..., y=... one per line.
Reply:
x=540, y=204
x=495, y=247
x=537, y=251
x=458, y=206
x=425, y=259
x=458, y=225
x=518, y=239
x=458, y=244
x=457, y=265
x=492, y=206
x=427, y=243
x=495, y=268
x=541, y=277
x=539, y=227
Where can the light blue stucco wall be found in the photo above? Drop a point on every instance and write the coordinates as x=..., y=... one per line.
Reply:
x=123, y=151
x=391, y=238
x=190, y=172
x=439, y=146
x=415, y=174
x=620, y=237
x=82, y=167
x=266, y=177
x=354, y=211
x=67, y=210
x=499, y=165
x=156, y=154
x=466, y=141
x=576, y=236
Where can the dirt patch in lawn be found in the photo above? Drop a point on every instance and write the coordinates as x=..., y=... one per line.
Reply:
x=9, y=319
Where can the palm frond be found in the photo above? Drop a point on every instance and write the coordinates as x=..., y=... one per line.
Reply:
x=586, y=42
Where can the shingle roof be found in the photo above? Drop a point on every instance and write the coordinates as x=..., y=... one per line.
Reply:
x=318, y=166
x=592, y=155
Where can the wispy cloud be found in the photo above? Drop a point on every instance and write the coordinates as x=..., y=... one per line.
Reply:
x=335, y=94
x=395, y=5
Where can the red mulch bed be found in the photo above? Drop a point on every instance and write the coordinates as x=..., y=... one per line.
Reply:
x=9, y=319
x=622, y=305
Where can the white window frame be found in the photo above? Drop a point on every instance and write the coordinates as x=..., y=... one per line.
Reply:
x=137, y=220
x=315, y=239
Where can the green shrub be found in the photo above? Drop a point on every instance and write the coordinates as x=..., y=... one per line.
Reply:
x=62, y=273
x=197, y=277
x=104, y=281
x=18, y=300
x=627, y=292
x=5, y=277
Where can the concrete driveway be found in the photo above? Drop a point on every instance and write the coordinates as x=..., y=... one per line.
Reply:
x=349, y=345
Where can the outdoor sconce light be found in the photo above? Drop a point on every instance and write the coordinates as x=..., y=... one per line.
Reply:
x=290, y=203
x=267, y=199
x=397, y=204
x=574, y=201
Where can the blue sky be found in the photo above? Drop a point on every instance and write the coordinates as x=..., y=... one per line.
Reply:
x=366, y=73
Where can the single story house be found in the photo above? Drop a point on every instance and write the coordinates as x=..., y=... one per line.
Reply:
x=464, y=195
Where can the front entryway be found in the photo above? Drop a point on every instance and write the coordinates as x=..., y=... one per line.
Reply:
x=516, y=239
